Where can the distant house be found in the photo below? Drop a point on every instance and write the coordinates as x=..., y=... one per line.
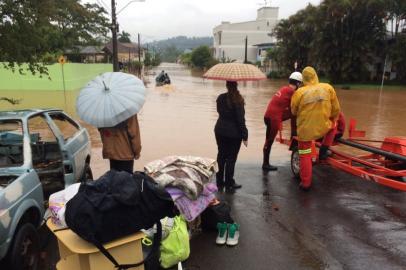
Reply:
x=126, y=51
x=86, y=54
x=229, y=38
x=262, y=49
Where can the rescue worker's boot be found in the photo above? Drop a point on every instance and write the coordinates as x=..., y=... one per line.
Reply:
x=305, y=155
x=265, y=164
x=323, y=152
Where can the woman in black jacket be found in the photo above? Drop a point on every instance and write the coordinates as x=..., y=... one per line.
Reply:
x=230, y=130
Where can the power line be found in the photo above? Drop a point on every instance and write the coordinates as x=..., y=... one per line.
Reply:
x=103, y=5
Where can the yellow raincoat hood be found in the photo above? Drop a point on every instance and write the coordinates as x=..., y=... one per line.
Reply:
x=315, y=106
x=310, y=76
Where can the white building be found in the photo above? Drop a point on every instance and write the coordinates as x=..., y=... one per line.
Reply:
x=229, y=38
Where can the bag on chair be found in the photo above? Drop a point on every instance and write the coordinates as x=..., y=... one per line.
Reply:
x=175, y=247
x=116, y=205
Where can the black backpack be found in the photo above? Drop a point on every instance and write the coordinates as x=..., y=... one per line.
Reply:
x=116, y=205
x=213, y=214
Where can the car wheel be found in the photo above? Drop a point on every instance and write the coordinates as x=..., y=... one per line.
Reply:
x=295, y=163
x=87, y=173
x=25, y=250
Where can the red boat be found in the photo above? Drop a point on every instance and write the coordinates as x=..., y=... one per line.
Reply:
x=385, y=165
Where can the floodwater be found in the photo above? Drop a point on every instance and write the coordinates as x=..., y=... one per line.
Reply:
x=343, y=223
x=179, y=119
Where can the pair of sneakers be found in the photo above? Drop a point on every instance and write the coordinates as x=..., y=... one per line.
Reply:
x=227, y=234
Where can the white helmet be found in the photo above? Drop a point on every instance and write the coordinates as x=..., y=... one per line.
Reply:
x=297, y=76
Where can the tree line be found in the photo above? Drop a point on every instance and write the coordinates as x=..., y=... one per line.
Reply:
x=200, y=58
x=170, y=49
x=31, y=31
x=344, y=39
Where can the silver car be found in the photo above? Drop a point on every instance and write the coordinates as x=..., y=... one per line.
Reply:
x=41, y=152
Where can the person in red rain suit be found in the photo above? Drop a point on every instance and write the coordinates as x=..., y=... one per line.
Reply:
x=340, y=126
x=339, y=129
x=278, y=110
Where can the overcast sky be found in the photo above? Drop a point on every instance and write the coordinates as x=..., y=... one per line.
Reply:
x=160, y=19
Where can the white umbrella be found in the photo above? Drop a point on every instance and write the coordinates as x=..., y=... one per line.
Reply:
x=110, y=98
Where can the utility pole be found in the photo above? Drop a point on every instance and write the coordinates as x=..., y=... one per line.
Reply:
x=114, y=28
x=139, y=54
x=139, y=48
x=246, y=45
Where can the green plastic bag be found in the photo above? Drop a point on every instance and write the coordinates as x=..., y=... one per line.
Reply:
x=175, y=248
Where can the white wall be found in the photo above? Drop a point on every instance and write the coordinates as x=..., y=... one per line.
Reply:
x=229, y=38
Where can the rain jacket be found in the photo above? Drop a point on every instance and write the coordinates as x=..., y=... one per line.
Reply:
x=315, y=105
x=122, y=142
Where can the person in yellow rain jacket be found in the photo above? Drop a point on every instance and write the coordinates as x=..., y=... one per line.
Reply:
x=316, y=108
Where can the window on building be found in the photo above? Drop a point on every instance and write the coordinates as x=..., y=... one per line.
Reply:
x=267, y=23
x=220, y=38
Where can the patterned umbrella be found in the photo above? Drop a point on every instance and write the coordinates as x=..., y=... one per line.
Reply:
x=110, y=98
x=234, y=72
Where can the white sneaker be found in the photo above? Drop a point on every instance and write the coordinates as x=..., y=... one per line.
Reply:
x=222, y=233
x=233, y=234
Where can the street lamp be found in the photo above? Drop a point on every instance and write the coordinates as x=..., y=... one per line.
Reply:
x=114, y=30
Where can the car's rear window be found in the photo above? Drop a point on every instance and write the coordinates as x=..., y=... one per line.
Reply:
x=11, y=143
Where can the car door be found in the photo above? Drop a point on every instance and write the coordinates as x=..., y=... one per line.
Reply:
x=46, y=154
x=75, y=146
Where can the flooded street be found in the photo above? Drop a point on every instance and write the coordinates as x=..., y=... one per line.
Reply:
x=344, y=222
x=179, y=119
x=333, y=203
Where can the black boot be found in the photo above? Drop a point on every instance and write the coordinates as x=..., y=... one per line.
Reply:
x=269, y=167
x=323, y=152
x=220, y=182
x=231, y=186
x=265, y=164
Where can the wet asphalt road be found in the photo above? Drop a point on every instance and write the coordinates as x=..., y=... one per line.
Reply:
x=342, y=223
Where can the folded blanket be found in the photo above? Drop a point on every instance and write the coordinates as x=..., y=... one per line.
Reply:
x=187, y=173
x=191, y=209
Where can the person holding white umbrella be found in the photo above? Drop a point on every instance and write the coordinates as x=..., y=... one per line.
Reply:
x=122, y=144
x=111, y=102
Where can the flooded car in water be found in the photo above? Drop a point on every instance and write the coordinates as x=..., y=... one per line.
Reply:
x=41, y=152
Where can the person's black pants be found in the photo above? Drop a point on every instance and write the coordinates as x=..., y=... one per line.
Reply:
x=228, y=149
x=122, y=165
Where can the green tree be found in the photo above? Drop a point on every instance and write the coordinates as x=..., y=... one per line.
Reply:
x=350, y=35
x=170, y=53
x=201, y=57
x=295, y=37
x=147, y=59
x=186, y=59
x=397, y=53
x=396, y=42
x=338, y=37
x=156, y=59
x=124, y=37
x=276, y=57
x=30, y=30
x=396, y=16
